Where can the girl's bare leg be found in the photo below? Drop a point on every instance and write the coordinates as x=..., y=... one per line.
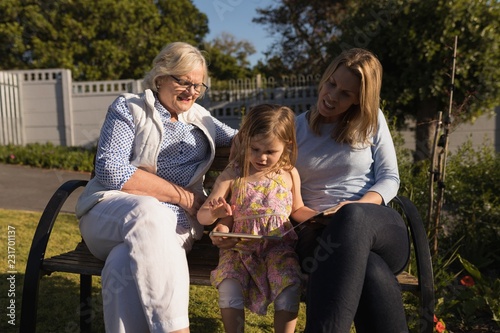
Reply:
x=285, y=321
x=233, y=320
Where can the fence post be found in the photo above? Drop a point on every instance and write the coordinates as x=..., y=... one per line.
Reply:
x=67, y=93
x=137, y=87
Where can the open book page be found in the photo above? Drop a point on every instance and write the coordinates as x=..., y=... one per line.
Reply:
x=242, y=235
x=328, y=211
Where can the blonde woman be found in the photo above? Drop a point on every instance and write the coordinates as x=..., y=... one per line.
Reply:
x=346, y=157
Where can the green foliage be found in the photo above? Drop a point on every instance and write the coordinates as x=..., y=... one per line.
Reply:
x=473, y=203
x=468, y=299
x=49, y=156
x=96, y=40
x=414, y=41
x=470, y=234
x=468, y=240
x=303, y=29
x=227, y=57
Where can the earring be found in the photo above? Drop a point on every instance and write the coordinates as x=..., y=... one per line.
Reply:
x=157, y=87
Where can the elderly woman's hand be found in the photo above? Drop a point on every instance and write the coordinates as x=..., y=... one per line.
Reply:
x=191, y=202
x=223, y=242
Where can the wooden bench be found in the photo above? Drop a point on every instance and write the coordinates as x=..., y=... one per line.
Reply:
x=202, y=259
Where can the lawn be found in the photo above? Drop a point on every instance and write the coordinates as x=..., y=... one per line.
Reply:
x=58, y=305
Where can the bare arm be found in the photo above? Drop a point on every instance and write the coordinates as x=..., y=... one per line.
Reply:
x=300, y=212
x=215, y=206
x=145, y=183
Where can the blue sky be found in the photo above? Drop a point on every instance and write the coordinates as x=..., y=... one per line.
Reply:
x=235, y=17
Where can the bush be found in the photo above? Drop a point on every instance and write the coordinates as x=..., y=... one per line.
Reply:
x=473, y=204
x=49, y=156
x=468, y=263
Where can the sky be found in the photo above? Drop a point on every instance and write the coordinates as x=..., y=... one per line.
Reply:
x=235, y=17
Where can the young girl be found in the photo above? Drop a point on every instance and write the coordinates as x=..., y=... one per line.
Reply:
x=263, y=190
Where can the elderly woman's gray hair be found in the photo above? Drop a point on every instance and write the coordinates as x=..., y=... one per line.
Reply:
x=176, y=59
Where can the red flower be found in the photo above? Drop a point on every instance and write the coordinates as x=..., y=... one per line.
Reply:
x=440, y=327
x=467, y=281
x=435, y=319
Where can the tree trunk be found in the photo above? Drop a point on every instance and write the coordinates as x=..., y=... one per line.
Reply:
x=426, y=125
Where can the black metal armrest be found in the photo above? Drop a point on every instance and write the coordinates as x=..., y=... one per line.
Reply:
x=423, y=261
x=37, y=252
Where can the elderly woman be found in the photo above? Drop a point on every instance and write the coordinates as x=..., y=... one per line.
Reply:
x=138, y=212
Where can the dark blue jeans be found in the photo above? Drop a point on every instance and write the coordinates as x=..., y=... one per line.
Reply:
x=352, y=263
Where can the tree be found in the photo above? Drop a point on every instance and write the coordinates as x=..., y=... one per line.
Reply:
x=304, y=28
x=227, y=57
x=96, y=40
x=273, y=67
x=413, y=40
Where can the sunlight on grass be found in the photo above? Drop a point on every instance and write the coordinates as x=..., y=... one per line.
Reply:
x=59, y=302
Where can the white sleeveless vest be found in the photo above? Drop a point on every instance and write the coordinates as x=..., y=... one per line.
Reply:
x=147, y=142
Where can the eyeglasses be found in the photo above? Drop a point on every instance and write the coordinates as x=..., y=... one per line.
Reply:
x=186, y=85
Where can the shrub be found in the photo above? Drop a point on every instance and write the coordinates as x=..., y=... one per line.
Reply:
x=467, y=265
x=49, y=156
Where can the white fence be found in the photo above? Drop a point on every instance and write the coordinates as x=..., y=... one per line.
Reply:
x=47, y=106
x=10, y=109
x=52, y=108
x=228, y=105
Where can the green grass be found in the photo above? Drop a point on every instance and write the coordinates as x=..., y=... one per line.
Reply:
x=58, y=305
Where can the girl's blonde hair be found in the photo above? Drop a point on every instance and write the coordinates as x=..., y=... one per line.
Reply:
x=176, y=59
x=269, y=121
x=360, y=122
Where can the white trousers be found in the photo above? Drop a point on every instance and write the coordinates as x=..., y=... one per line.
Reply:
x=145, y=280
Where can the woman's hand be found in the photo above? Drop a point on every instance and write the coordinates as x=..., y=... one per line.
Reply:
x=369, y=197
x=223, y=242
x=145, y=183
x=191, y=202
x=334, y=209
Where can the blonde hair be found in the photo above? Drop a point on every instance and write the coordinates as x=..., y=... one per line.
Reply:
x=269, y=121
x=360, y=121
x=176, y=59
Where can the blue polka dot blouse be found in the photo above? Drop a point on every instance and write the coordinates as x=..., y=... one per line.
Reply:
x=183, y=148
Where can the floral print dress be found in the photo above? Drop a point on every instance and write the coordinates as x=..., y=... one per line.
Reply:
x=263, y=267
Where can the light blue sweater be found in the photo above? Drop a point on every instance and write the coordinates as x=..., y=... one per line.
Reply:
x=331, y=172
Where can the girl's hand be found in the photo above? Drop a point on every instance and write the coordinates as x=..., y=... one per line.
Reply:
x=223, y=242
x=219, y=208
